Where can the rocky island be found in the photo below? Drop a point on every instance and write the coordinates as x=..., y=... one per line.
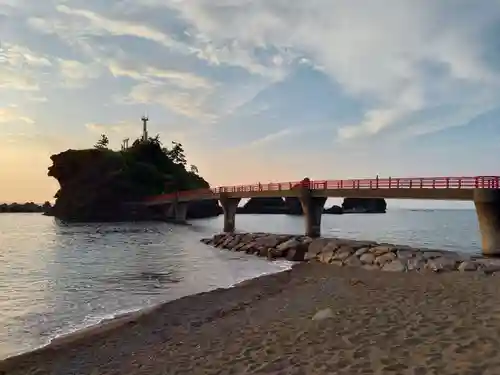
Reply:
x=292, y=206
x=96, y=183
x=25, y=207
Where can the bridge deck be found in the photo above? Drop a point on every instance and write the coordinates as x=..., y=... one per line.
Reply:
x=437, y=188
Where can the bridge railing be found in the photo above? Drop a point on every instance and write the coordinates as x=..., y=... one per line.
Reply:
x=478, y=182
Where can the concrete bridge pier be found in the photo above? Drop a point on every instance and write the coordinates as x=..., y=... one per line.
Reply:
x=487, y=202
x=313, y=209
x=180, y=211
x=229, y=206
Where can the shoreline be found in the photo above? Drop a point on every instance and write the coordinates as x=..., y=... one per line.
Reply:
x=307, y=319
x=315, y=261
x=126, y=320
x=120, y=319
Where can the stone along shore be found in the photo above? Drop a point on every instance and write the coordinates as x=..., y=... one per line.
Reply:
x=343, y=252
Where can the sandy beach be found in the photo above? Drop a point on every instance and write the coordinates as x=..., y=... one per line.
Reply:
x=377, y=323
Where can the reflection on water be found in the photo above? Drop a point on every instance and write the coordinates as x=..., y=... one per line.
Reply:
x=55, y=278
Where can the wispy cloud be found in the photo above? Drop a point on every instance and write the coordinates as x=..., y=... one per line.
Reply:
x=12, y=115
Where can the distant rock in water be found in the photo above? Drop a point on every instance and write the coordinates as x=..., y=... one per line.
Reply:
x=267, y=205
x=97, y=184
x=203, y=209
x=294, y=206
x=336, y=210
x=25, y=207
x=364, y=205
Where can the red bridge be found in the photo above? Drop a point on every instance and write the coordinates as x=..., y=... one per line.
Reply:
x=484, y=191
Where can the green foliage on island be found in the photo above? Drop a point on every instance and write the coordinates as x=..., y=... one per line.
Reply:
x=96, y=184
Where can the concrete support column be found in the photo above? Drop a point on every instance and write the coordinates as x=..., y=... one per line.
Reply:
x=487, y=202
x=181, y=211
x=170, y=211
x=313, y=209
x=229, y=206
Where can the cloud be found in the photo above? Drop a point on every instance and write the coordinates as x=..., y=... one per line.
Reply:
x=98, y=25
x=11, y=115
x=76, y=74
x=188, y=104
x=180, y=79
x=375, y=52
x=19, y=67
x=121, y=128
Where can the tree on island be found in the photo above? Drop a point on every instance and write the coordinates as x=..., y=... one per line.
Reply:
x=102, y=143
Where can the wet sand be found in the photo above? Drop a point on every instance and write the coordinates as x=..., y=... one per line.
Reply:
x=382, y=323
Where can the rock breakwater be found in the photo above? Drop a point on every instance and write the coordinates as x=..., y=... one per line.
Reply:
x=369, y=255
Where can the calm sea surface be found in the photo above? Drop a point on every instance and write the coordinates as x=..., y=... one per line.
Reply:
x=55, y=278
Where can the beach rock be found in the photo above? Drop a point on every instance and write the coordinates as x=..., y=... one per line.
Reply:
x=385, y=258
x=337, y=263
x=370, y=267
x=406, y=253
x=467, y=266
x=343, y=253
x=367, y=258
x=361, y=251
x=326, y=256
x=296, y=254
x=415, y=264
x=441, y=264
x=395, y=266
x=239, y=246
x=323, y=314
x=264, y=251
x=206, y=241
x=379, y=250
x=288, y=244
x=491, y=269
x=353, y=261
x=432, y=254
x=316, y=246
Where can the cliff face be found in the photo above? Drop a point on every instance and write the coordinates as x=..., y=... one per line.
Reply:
x=95, y=183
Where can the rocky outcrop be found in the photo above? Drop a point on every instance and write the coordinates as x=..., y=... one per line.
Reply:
x=364, y=205
x=26, y=207
x=267, y=205
x=96, y=184
x=336, y=210
x=369, y=255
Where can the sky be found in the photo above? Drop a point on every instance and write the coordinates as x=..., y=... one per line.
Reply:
x=261, y=90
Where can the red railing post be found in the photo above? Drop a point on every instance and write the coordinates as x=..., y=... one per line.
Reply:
x=390, y=182
x=447, y=182
x=376, y=180
x=433, y=183
x=397, y=183
x=341, y=183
